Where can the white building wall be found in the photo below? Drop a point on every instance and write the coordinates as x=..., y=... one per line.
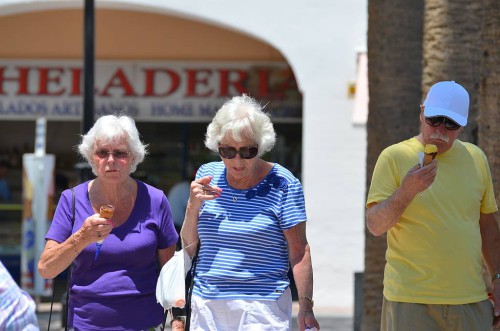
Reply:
x=320, y=39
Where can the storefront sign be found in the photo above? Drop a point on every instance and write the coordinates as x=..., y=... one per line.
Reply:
x=148, y=91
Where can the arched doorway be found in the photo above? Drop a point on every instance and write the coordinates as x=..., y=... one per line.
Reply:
x=319, y=43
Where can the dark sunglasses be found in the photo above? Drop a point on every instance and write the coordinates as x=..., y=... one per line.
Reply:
x=117, y=153
x=247, y=152
x=437, y=120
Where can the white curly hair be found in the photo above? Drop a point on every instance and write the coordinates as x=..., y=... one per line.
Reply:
x=241, y=116
x=112, y=129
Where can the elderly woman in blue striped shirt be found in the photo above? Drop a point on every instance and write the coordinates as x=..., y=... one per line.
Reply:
x=249, y=217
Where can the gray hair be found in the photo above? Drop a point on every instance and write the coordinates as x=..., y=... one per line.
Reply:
x=241, y=116
x=112, y=129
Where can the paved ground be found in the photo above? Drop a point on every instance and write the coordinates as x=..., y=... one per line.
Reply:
x=328, y=323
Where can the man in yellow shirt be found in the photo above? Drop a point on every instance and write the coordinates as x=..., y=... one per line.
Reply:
x=440, y=224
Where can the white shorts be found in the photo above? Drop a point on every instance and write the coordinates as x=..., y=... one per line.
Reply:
x=242, y=315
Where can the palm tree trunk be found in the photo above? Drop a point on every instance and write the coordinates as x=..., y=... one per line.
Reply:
x=452, y=39
x=489, y=92
x=489, y=95
x=394, y=79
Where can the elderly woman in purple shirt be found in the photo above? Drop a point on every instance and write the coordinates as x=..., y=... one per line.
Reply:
x=114, y=290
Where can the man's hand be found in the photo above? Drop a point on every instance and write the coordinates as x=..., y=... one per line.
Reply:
x=495, y=297
x=418, y=178
x=380, y=217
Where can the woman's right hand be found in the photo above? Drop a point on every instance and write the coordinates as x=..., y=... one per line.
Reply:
x=58, y=256
x=94, y=229
x=202, y=191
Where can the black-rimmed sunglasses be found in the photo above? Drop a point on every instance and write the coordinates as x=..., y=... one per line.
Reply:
x=117, y=153
x=247, y=152
x=437, y=120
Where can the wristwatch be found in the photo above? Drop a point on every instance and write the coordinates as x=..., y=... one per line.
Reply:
x=495, y=276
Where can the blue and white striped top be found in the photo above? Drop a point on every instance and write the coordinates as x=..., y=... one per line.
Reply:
x=17, y=308
x=244, y=254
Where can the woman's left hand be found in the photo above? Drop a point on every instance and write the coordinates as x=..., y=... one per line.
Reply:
x=300, y=261
x=306, y=319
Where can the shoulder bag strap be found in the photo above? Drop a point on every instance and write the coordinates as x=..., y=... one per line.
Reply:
x=53, y=281
x=190, y=290
x=73, y=201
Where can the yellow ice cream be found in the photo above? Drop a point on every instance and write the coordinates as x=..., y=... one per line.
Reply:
x=430, y=153
x=430, y=148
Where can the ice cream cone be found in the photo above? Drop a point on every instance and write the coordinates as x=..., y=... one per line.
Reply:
x=107, y=212
x=430, y=153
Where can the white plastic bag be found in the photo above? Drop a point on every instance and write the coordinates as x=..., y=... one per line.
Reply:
x=171, y=288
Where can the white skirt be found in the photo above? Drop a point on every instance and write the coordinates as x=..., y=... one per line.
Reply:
x=242, y=315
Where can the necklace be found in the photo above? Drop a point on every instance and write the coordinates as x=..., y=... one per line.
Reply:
x=234, y=197
x=247, y=186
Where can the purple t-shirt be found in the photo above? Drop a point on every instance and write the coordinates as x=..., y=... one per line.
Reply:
x=118, y=291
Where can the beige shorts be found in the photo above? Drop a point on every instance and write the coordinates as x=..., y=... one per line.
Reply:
x=397, y=316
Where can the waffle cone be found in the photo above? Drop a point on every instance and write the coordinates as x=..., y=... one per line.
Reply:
x=107, y=211
x=428, y=158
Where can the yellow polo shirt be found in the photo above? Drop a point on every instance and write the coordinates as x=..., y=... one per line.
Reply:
x=434, y=251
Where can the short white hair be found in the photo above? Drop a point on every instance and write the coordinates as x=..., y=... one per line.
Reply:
x=242, y=117
x=111, y=129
